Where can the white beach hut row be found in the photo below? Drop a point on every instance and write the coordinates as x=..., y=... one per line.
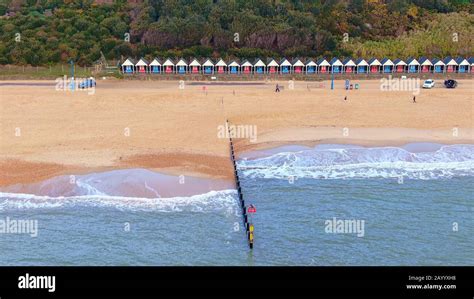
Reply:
x=297, y=66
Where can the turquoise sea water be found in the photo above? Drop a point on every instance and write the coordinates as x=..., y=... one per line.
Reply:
x=417, y=207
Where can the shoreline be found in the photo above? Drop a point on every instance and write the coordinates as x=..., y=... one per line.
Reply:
x=45, y=171
x=365, y=137
x=137, y=182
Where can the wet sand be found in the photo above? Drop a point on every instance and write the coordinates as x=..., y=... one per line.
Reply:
x=157, y=126
x=139, y=183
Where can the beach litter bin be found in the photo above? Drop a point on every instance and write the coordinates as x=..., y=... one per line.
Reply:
x=356, y=86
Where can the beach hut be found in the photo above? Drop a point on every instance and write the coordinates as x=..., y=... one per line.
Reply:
x=169, y=66
x=323, y=66
x=413, y=65
x=298, y=66
x=272, y=66
x=438, y=66
x=128, y=66
x=426, y=65
x=155, y=66
x=362, y=66
x=471, y=62
x=400, y=66
x=246, y=67
x=141, y=66
x=208, y=67
x=221, y=67
x=311, y=67
x=285, y=66
x=234, y=67
x=374, y=65
x=259, y=67
x=195, y=67
x=181, y=67
x=451, y=65
x=336, y=66
x=349, y=66
x=463, y=65
x=387, y=65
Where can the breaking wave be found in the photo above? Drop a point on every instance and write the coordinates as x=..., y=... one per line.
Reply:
x=208, y=202
x=358, y=162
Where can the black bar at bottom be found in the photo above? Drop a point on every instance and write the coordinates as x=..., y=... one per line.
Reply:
x=291, y=282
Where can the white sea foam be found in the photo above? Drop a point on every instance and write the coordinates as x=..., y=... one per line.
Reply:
x=87, y=188
x=357, y=162
x=208, y=202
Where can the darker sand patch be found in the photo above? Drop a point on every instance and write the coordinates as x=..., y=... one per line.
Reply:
x=14, y=171
x=182, y=163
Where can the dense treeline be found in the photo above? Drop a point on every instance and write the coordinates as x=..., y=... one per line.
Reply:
x=41, y=32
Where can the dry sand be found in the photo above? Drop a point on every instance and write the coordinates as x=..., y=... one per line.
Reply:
x=156, y=125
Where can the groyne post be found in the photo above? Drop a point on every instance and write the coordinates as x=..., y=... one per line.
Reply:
x=249, y=228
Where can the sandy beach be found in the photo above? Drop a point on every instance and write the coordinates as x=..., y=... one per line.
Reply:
x=158, y=126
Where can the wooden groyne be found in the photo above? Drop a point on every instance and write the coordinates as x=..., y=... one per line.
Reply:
x=249, y=229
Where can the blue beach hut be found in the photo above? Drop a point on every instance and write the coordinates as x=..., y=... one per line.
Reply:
x=311, y=67
x=362, y=66
x=285, y=66
x=234, y=67
x=438, y=66
x=155, y=66
x=413, y=65
x=259, y=67
x=128, y=66
x=181, y=67
x=208, y=67
x=336, y=66
x=463, y=65
x=387, y=65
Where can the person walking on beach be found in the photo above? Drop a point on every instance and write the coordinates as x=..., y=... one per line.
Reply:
x=277, y=89
x=414, y=99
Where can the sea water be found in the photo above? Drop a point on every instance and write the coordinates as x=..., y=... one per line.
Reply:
x=415, y=203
